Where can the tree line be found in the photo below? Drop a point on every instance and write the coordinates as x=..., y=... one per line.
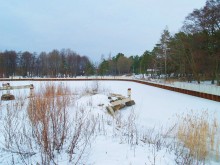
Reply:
x=53, y=64
x=193, y=53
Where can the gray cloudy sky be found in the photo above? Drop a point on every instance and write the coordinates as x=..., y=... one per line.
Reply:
x=90, y=27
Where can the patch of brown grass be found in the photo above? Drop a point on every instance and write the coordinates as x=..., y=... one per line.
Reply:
x=47, y=112
x=50, y=97
x=199, y=134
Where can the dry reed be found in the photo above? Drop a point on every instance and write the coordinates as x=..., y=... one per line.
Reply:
x=199, y=134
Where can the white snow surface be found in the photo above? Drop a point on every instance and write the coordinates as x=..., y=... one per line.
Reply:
x=154, y=108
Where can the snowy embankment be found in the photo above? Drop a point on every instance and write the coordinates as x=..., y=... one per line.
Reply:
x=203, y=87
x=140, y=134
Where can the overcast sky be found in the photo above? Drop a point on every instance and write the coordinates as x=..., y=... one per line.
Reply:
x=90, y=27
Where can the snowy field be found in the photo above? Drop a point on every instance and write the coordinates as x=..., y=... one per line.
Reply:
x=155, y=110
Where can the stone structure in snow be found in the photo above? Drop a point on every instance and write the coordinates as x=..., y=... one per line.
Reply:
x=118, y=102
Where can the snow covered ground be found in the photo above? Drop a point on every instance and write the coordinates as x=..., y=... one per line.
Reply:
x=204, y=86
x=155, y=109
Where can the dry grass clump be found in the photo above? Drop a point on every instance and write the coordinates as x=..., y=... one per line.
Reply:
x=49, y=100
x=200, y=135
x=48, y=113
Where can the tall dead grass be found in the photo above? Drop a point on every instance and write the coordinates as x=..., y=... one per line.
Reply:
x=47, y=112
x=50, y=100
x=200, y=134
x=52, y=127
